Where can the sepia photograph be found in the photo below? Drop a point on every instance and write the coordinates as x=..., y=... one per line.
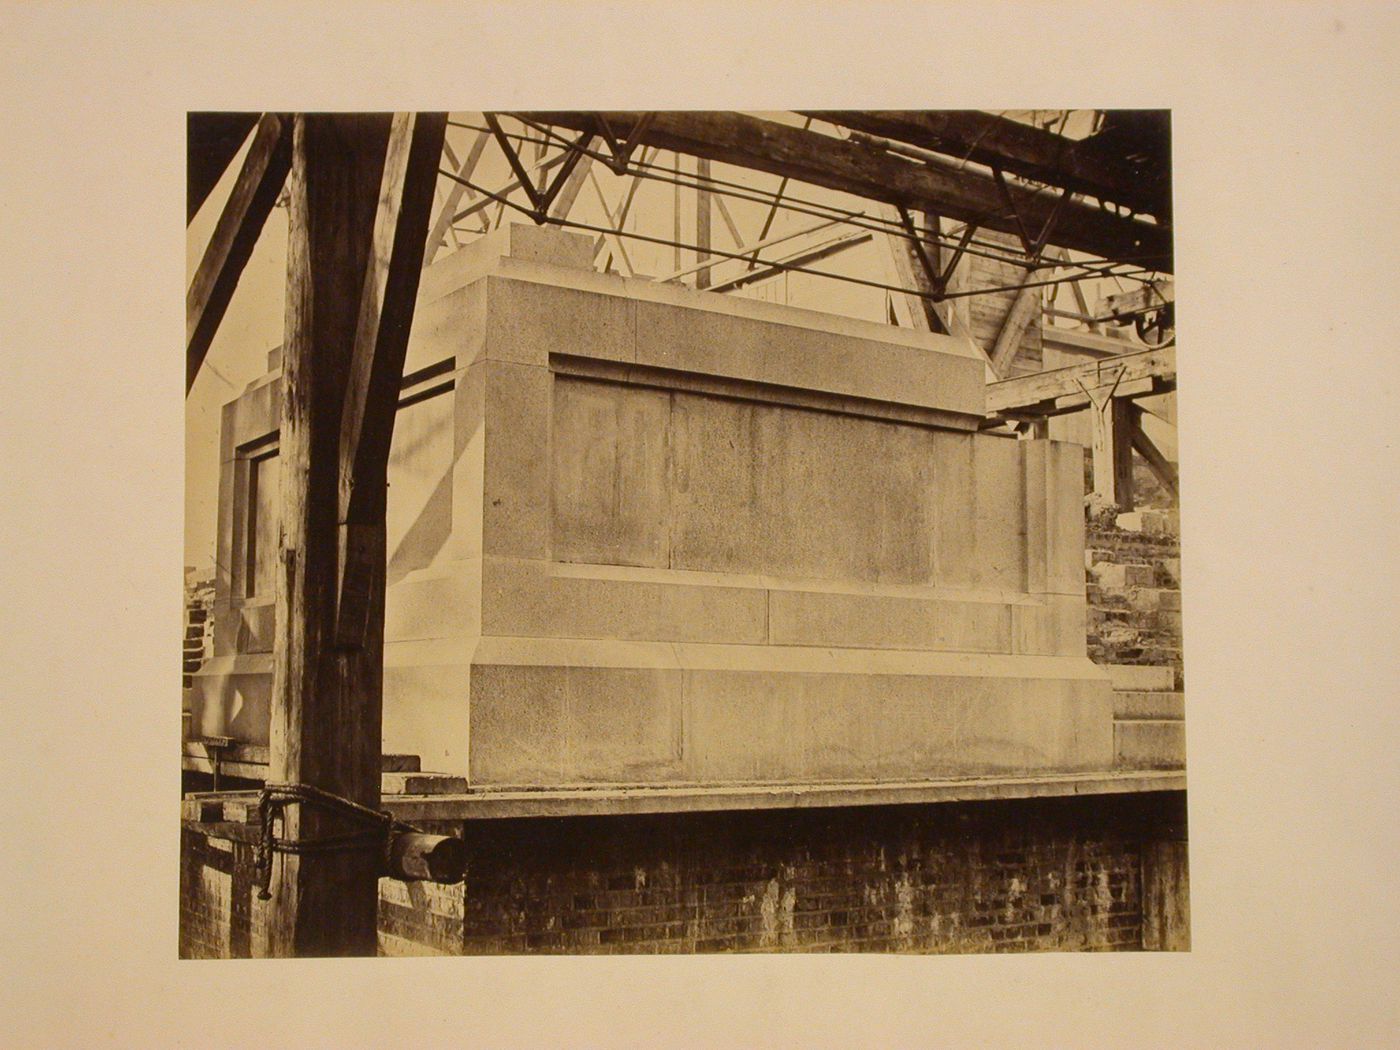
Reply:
x=685, y=525
x=681, y=531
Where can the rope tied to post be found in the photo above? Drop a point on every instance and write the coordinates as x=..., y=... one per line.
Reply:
x=376, y=828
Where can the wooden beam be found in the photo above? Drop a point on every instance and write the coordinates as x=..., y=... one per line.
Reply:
x=729, y=223
x=573, y=185
x=1020, y=149
x=1113, y=424
x=805, y=257
x=1063, y=390
x=1024, y=308
x=919, y=311
x=372, y=382
x=751, y=250
x=1126, y=305
x=259, y=182
x=823, y=160
x=702, y=221
x=1160, y=465
x=1061, y=255
x=212, y=140
x=326, y=702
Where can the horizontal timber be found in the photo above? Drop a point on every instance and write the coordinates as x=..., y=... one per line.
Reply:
x=1062, y=390
x=1031, y=152
x=821, y=160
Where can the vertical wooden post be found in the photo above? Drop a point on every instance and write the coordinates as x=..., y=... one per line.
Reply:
x=676, y=216
x=1113, y=425
x=702, y=220
x=325, y=728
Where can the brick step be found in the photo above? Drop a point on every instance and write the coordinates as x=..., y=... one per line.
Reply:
x=1138, y=705
x=1136, y=678
x=1149, y=744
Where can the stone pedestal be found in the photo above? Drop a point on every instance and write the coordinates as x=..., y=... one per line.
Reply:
x=640, y=534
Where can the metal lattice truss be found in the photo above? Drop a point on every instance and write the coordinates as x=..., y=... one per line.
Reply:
x=933, y=189
x=1058, y=203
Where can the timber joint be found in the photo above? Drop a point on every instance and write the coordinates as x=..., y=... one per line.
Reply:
x=406, y=852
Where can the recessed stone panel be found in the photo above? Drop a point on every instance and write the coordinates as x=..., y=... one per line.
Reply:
x=611, y=498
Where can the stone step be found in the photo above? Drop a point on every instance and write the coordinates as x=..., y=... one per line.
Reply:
x=1145, y=599
x=1149, y=744
x=1135, y=705
x=1151, y=522
x=1110, y=574
x=422, y=784
x=1137, y=678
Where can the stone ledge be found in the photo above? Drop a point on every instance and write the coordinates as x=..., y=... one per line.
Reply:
x=618, y=801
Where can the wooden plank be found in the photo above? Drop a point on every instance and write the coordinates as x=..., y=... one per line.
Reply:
x=729, y=223
x=1086, y=344
x=1145, y=386
x=326, y=702
x=1023, y=392
x=1017, y=148
x=1080, y=302
x=259, y=183
x=1023, y=310
x=250, y=760
x=212, y=140
x=1126, y=305
x=823, y=160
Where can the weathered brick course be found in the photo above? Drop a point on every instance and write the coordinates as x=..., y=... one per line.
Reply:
x=1019, y=875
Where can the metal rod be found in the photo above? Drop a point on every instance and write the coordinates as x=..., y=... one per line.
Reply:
x=800, y=269
x=642, y=171
x=747, y=248
x=989, y=250
x=822, y=273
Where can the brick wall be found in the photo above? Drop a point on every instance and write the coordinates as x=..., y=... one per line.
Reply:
x=1103, y=873
x=218, y=919
x=995, y=876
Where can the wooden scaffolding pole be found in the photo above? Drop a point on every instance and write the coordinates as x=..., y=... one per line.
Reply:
x=360, y=196
x=702, y=220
